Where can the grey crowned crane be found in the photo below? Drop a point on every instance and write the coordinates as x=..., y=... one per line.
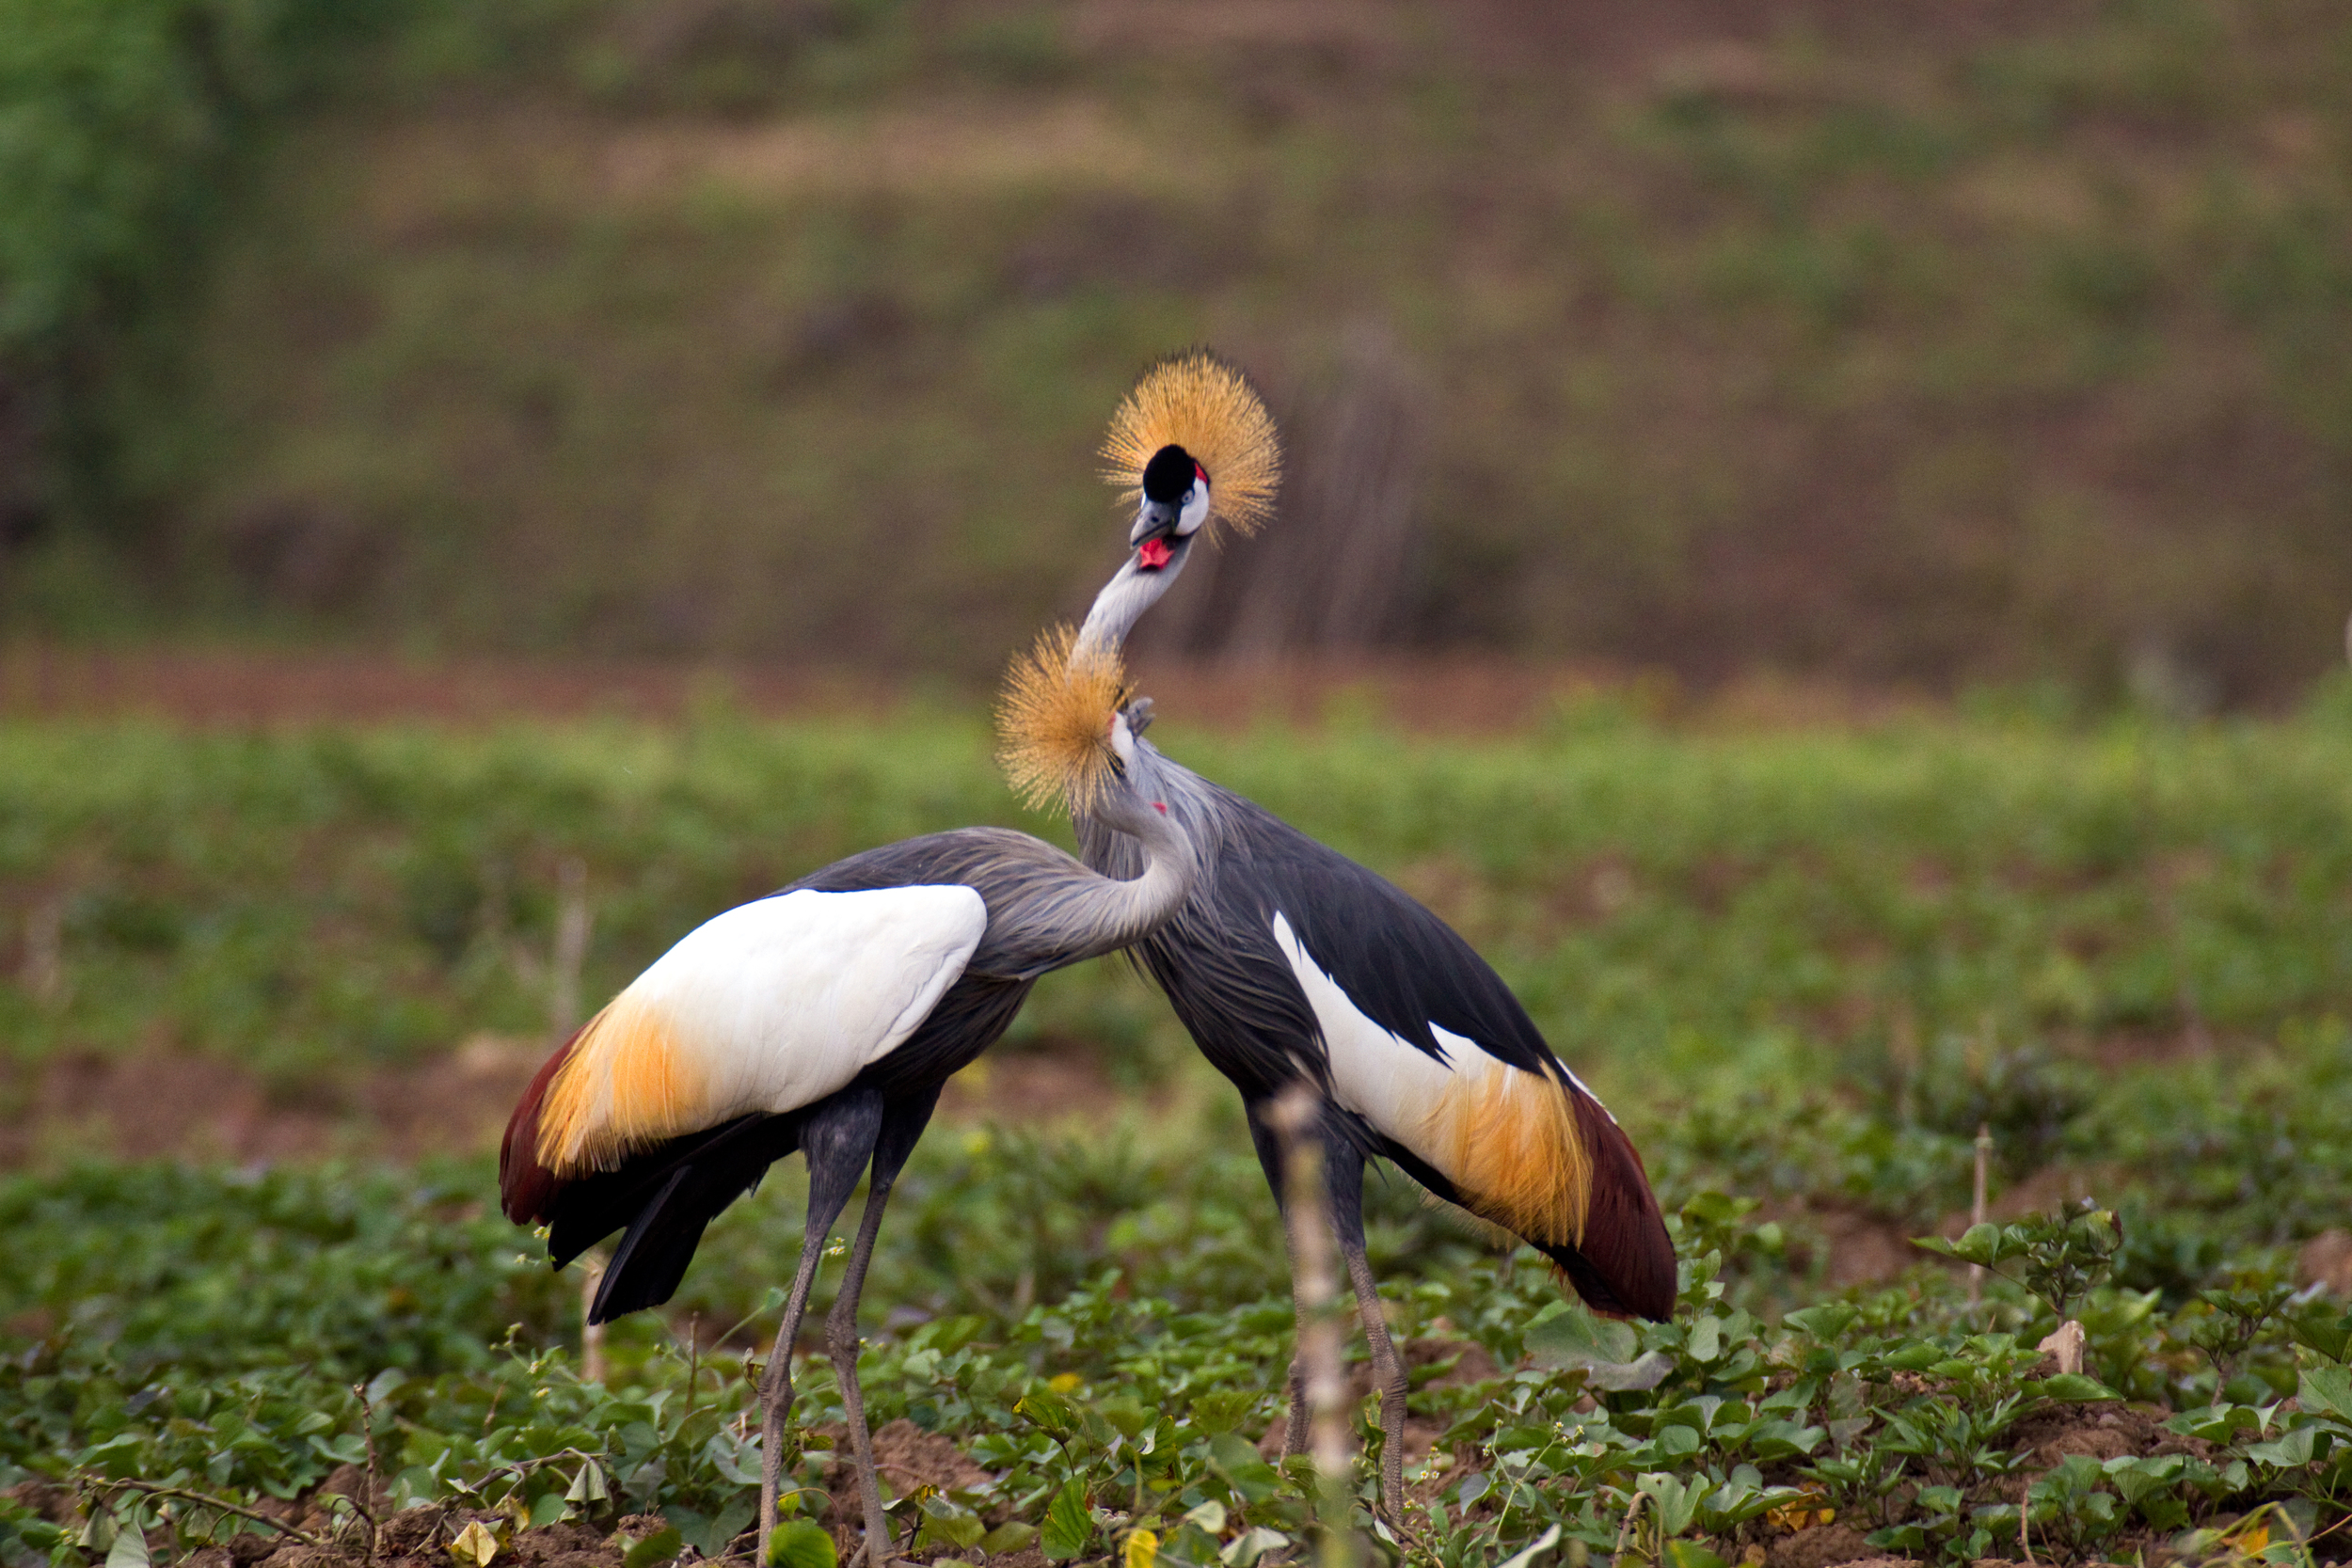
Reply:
x=1290, y=962
x=825, y=1019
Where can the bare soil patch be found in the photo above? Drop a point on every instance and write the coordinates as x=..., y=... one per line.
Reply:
x=189, y=1106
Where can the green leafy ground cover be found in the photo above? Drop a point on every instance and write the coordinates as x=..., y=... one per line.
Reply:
x=1898, y=902
x=1099, y=1330
x=1804, y=967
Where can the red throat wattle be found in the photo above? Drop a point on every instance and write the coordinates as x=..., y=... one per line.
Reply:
x=1153, y=555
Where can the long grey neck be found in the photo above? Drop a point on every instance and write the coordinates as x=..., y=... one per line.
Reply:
x=1086, y=916
x=1110, y=846
x=1108, y=840
x=1127, y=596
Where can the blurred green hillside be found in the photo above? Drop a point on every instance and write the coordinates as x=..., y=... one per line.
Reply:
x=1894, y=341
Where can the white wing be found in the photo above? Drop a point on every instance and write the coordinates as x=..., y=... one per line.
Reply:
x=767, y=1008
x=1388, y=1081
x=1507, y=1139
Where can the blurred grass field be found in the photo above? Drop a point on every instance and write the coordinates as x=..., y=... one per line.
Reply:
x=318, y=900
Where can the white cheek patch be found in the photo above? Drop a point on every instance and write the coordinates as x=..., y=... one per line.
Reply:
x=1195, y=511
x=1388, y=1081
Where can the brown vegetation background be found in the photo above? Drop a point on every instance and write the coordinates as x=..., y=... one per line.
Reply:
x=1909, y=344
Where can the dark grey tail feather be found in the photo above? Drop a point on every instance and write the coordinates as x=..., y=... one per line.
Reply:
x=665, y=1196
x=650, y=1262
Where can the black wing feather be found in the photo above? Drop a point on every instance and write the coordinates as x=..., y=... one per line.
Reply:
x=665, y=1196
x=1401, y=965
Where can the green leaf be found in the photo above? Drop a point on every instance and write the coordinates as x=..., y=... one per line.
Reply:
x=1251, y=1544
x=129, y=1549
x=1716, y=1208
x=1985, y=1244
x=1127, y=1416
x=1068, y=1524
x=1014, y=1535
x=1677, y=1501
x=588, y=1486
x=2216, y=1423
x=1189, y=1543
x=1576, y=1338
x=1052, y=1415
x=947, y=1335
x=948, y=1522
x=1536, y=1549
x=1824, y=1322
x=1771, y=1440
x=1221, y=1412
x=1209, y=1516
x=2070, y=1389
x=2322, y=1328
x=2327, y=1389
x=799, y=1544
x=710, y=1536
x=2288, y=1450
x=661, y=1547
x=1233, y=1457
x=548, y=1509
x=1689, y=1554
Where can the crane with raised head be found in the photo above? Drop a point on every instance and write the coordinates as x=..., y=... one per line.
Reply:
x=1289, y=962
x=825, y=1019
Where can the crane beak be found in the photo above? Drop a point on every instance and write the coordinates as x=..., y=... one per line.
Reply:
x=1153, y=520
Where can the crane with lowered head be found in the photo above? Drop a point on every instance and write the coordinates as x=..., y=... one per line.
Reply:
x=1290, y=962
x=825, y=1019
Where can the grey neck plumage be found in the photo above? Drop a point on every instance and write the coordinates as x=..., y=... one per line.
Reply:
x=1046, y=912
x=1127, y=596
x=1107, y=841
x=1102, y=914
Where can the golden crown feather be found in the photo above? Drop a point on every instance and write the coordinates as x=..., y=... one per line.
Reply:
x=1054, y=720
x=1196, y=401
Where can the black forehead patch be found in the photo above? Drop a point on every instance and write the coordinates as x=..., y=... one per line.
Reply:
x=1169, y=475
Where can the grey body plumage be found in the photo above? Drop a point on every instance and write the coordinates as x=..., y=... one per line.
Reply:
x=1042, y=910
x=1221, y=962
x=1046, y=908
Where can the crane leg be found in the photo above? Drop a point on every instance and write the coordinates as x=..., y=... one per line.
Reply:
x=1343, y=1171
x=902, y=1123
x=837, y=1138
x=1270, y=1146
